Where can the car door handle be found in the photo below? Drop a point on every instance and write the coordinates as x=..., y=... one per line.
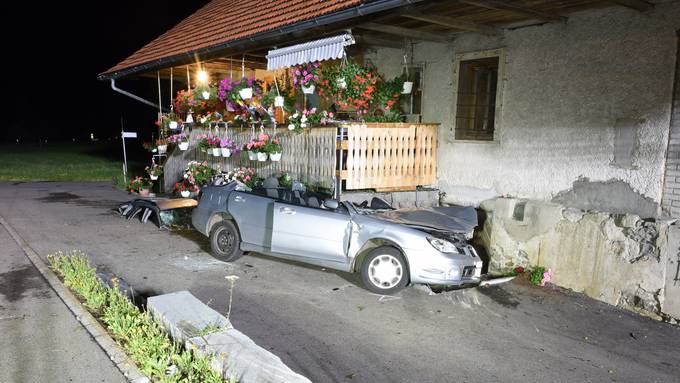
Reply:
x=239, y=199
x=287, y=210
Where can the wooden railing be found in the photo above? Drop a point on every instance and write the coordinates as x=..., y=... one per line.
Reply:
x=310, y=156
x=389, y=156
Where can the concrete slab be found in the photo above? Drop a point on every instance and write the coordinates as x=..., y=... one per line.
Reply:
x=183, y=315
x=237, y=355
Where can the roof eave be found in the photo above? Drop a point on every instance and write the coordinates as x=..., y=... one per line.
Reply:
x=334, y=17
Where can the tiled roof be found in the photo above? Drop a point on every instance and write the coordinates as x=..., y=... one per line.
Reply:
x=221, y=21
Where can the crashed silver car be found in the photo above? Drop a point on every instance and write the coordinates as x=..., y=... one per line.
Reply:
x=390, y=248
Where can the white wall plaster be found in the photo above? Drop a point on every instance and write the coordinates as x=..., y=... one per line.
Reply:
x=565, y=87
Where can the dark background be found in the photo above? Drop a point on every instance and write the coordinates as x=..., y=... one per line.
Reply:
x=55, y=50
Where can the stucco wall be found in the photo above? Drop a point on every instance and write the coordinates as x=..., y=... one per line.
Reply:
x=565, y=87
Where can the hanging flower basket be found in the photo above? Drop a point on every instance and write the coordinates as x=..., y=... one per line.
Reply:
x=308, y=89
x=216, y=152
x=183, y=145
x=407, y=87
x=341, y=82
x=153, y=177
x=162, y=149
x=226, y=152
x=246, y=93
x=185, y=193
x=279, y=101
x=275, y=157
x=252, y=155
x=261, y=156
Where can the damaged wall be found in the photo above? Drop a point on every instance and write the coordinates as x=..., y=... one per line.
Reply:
x=620, y=259
x=587, y=98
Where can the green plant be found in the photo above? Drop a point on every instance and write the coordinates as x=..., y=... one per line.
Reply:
x=142, y=337
x=138, y=183
x=536, y=275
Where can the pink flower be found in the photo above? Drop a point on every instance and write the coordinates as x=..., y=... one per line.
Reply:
x=547, y=276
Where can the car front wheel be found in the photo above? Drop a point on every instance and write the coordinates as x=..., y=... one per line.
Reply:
x=225, y=242
x=384, y=271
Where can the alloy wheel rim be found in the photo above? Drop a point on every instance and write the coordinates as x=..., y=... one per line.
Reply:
x=385, y=271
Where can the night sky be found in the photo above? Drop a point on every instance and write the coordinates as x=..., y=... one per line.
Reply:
x=53, y=90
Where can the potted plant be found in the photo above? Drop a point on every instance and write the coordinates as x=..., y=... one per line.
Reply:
x=198, y=173
x=244, y=175
x=202, y=142
x=154, y=171
x=162, y=145
x=226, y=147
x=140, y=185
x=249, y=147
x=214, y=143
x=306, y=76
x=185, y=188
x=273, y=148
x=181, y=140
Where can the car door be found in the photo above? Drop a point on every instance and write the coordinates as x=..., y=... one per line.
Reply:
x=311, y=232
x=253, y=216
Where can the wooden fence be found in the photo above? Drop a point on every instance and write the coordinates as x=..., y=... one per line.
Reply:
x=389, y=156
x=310, y=156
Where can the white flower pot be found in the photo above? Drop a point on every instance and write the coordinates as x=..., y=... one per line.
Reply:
x=246, y=93
x=226, y=152
x=190, y=118
x=185, y=193
x=342, y=83
x=261, y=156
x=407, y=88
x=278, y=101
x=205, y=94
x=275, y=157
x=153, y=177
x=252, y=155
x=216, y=152
x=172, y=125
x=162, y=149
x=308, y=89
x=183, y=146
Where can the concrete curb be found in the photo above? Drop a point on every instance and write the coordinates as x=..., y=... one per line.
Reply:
x=100, y=335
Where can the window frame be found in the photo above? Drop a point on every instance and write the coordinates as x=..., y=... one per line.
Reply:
x=500, y=85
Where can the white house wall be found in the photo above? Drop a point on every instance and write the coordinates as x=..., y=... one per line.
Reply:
x=565, y=88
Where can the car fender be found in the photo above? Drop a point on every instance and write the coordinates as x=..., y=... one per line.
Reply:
x=368, y=234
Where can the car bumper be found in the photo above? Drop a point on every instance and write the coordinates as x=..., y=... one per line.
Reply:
x=433, y=267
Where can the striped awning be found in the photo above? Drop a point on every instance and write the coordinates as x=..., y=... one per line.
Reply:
x=329, y=48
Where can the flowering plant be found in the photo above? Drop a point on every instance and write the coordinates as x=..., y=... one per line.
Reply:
x=177, y=138
x=244, y=175
x=198, y=173
x=148, y=146
x=138, y=183
x=206, y=119
x=540, y=276
x=213, y=142
x=306, y=74
x=298, y=121
x=155, y=170
x=184, y=185
x=228, y=92
x=227, y=144
x=185, y=101
x=272, y=145
x=161, y=141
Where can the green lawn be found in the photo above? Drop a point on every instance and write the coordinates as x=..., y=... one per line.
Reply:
x=63, y=162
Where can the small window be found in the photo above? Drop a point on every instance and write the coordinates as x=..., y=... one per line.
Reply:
x=476, y=99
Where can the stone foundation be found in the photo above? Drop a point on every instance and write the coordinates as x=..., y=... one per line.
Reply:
x=620, y=259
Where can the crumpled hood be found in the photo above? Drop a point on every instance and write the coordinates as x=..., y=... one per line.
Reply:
x=457, y=219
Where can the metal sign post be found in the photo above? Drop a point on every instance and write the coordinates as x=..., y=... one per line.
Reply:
x=123, y=136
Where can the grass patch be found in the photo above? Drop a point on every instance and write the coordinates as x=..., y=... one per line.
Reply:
x=64, y=162
x=142, y=337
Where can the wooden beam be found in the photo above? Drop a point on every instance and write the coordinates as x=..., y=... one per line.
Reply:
x=405, y=32
x=637, y=5
x=451, y=22
x=516, y=8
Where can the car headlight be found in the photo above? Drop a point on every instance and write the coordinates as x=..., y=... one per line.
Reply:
x=442, y=245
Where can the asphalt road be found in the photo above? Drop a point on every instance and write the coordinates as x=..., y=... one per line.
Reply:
x=325, y=326
x=40, y=339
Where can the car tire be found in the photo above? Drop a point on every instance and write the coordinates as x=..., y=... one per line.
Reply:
x=225, y=242
x=384, y=271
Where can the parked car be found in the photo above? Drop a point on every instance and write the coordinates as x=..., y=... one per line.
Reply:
x=390, y=248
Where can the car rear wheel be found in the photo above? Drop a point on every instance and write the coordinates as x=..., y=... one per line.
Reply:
x=225, y=242
x=384, y=271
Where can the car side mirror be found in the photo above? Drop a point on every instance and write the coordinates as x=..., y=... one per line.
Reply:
x=330, y=204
